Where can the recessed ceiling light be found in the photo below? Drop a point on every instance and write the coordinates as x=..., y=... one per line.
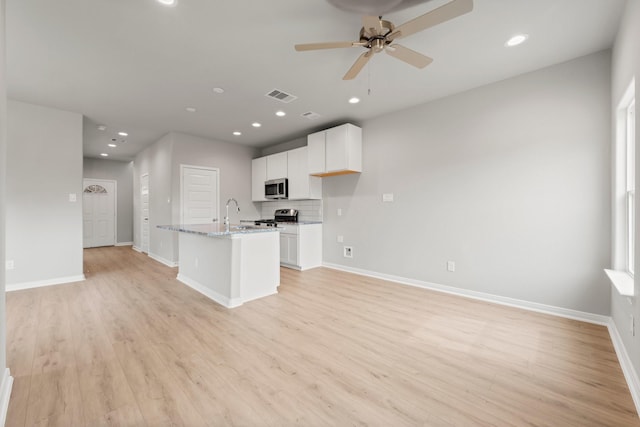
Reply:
x=256, y=124
x=516, y=40
x=112, y=145
x=280, y=113
x=218, y=90
x=102, y=127
x=354, y=100
x=191, y=109
x=167, y=2
x=104, y=154
x=237, y=133
x=123, y=134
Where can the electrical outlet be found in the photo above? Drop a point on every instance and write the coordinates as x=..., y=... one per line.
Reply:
x=387, y=197
x=73, y=197
x=451, y=266
x=9, y=265
x=340, y=239
x=348, y=252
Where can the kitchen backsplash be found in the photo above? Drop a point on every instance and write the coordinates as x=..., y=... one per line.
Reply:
x=308, y=210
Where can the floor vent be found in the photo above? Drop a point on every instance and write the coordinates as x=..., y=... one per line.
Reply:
x=281, y=96
x=310, y=115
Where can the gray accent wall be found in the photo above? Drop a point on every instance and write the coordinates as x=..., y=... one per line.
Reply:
x=162, y=162
x=511, y=181
x=626, y=65
x=122, y=173
x=44, y=166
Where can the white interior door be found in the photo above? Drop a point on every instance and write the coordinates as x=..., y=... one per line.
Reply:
x=199, y=195
x=144, y=213
x=99, y=208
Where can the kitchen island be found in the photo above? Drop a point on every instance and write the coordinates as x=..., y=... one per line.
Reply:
x=229, y=264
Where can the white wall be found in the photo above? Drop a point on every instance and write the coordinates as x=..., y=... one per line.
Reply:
x=162, y=161
x=234, y=162
x=155, y=161
x=122, y=173
x=3, y=200
x=284, y=146
x=44, y=166
x=510, y=181
x=626, y=65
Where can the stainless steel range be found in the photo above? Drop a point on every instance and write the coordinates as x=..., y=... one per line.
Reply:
x=280, y=216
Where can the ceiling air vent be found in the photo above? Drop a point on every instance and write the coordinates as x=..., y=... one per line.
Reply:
x=281, y=96
x=310, y=115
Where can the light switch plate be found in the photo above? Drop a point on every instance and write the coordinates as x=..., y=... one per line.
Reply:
x=73, y=197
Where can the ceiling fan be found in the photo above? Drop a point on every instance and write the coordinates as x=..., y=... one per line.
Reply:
x=377, y=35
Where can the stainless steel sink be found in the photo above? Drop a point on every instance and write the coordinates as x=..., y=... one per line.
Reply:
x=243, y=227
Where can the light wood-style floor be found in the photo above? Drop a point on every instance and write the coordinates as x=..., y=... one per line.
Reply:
x=131, y=346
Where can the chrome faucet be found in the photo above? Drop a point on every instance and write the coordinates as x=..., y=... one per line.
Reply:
x=226, y=218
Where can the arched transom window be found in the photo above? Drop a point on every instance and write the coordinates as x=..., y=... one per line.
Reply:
x=95, y=188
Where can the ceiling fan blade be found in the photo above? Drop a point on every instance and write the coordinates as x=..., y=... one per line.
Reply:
x=358, y=65
x=437, y=16
x=328, y=45
x=409, y=56
x=372, y=26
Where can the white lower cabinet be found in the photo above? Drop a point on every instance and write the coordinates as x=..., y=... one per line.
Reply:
x=301, y=246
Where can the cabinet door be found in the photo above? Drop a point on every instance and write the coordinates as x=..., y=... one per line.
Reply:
x=289, y=249
x=284, y=249
x=298, y=174
x=277, y=166
x=344, y=148
x=258, y=177
x=336, y=149
x=316, y=152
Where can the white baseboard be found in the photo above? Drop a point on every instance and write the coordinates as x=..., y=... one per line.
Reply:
x=5, y=394
x=124, y=244
x=40, y=283
x=163, y=260
x=209, y=293
x=511, y=302
x=629, y=371
x=135, y=248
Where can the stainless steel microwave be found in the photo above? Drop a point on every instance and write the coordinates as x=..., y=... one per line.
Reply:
x=276, y=188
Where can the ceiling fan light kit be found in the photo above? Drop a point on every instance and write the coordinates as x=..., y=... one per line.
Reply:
x=379, y=35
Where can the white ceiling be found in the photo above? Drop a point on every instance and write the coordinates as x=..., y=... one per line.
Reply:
x=135, y=65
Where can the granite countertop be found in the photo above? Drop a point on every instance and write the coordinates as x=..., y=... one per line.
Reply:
x=217, y=230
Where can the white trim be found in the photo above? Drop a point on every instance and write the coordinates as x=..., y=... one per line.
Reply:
x=496, y=299
x=42, y=283
x=628, y=370
x=137, y=249
x=207, y=168
x=115, y=203
x=141, y=218
x=124, y=244
x=5, y=394
x=622, y=281
x=162, y=260
x=209, y=293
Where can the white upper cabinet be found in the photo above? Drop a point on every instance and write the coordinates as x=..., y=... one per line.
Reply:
x=258, y=177
x=277, y=166
x=315, y=144
x=335, y=151
x=301, y=184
